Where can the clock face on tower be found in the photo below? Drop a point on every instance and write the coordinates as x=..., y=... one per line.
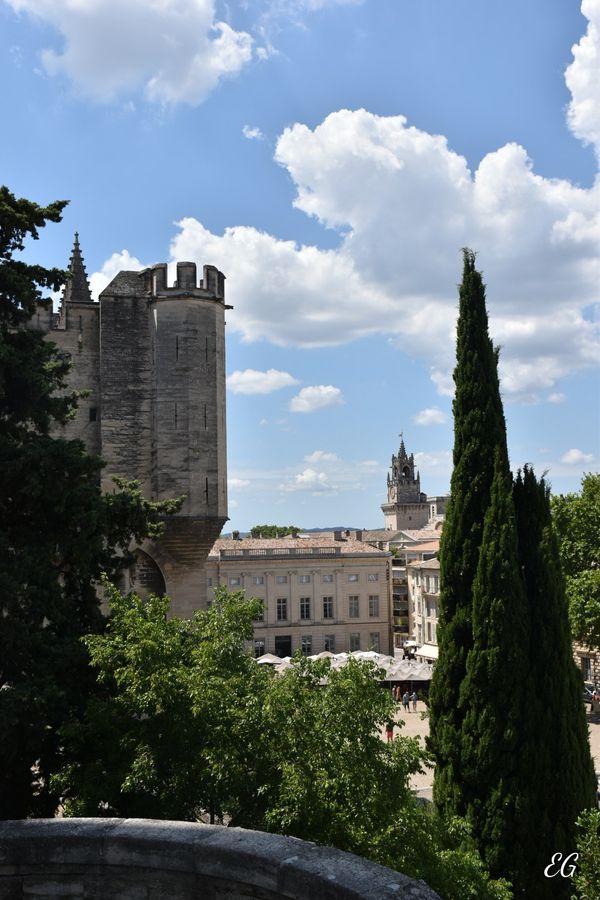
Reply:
x=392, y=492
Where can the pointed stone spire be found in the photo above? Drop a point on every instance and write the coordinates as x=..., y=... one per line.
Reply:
x=77, y=289
x=402, y=451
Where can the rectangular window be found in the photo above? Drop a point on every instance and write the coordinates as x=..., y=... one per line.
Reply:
x=303, y=579
x=374, y=604
x=259, y=648
x=305, y=607
x=260, y=615
x=281, y=609
x=374, y=641
x=329, y=642
x=352, y=578
x=353, y=606
x=209, y=582
x=354, y=641
x=258, y=579
x=436, y=584
x=93, y=414
x=306, y=644
x=327, y=579
x=281, y=579
x=586, y=668
x=373, y=576
x=328, y=607
x=235, y=581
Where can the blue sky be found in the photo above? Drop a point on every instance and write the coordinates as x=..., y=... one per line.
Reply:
x=332, y=157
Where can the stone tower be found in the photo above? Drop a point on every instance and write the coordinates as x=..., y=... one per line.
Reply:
x=152, y=358
x=406, y=506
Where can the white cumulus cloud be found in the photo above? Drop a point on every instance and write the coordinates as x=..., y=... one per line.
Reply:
x=173, y=50
x=319, y=396
x=575, y=457
x=253, y=134
x=583, y=79
x=251, y=381
x=372, y=177
x=308, y=480
x=321, y=456
x=431, y=416
x=557, y=398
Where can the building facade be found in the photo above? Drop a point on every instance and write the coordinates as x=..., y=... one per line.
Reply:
x=151, y=359
x=319, y=593
x=423, y=606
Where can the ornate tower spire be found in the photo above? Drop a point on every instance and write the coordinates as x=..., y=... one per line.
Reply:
x=77, y=289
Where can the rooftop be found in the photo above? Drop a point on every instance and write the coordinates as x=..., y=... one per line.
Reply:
x=314, y=546
x=425, y=564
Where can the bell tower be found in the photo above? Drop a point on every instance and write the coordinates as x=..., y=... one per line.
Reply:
x=406, y=506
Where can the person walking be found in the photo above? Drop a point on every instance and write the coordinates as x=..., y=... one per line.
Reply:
x=389, y=731
x=413, y=697
x=406, y=701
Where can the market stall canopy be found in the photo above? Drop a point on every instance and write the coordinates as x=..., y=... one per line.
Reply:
x=270, y=659
x=427, y=651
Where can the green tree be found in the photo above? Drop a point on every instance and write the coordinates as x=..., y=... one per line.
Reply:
x=586, y=878
x=58, y=533
x=273, y=531
x=576, y=520
x=561, y=781
x=498, y=753
x=502, y=739
x=170, y=733
x=479, y=437
x=188, y=726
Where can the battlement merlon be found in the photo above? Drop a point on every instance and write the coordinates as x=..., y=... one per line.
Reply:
x=152, y=282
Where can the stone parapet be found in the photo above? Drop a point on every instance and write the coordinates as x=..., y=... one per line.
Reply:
x=142, y=859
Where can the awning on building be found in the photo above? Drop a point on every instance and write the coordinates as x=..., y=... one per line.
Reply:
x=427, y=651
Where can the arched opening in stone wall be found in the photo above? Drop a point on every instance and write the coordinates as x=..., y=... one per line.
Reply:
x=145, y=576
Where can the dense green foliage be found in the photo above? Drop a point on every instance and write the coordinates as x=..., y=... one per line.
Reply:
x=273, y=531
x=562, y=780
x=479, y=433
x=508, y=729
x=497, y=757
x=58, y=533
x=187, y=725
x=576, y=520
x=587, y=875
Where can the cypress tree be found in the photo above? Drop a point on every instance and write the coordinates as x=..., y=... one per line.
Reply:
x=507, y=726
x=562, y=780
x=479, y=434
x=497, y=749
